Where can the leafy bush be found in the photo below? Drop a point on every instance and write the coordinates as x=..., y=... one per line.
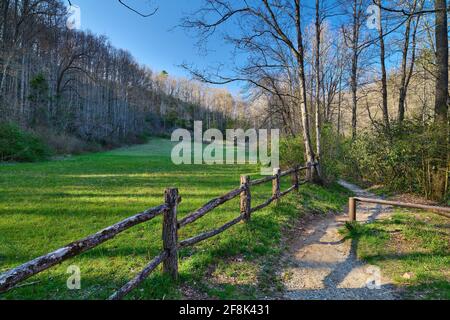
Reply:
x=333, y=154
x=291, y=151
x=19, y=145
x=60, y=142
x=404, y=162
x=332, y=164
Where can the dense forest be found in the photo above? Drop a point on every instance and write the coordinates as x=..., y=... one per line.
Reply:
x=359, y=85
x=362, y=83
x=72, y=86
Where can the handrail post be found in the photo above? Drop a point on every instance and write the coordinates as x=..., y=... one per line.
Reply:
x=170, y=233
x=352, y=209
x=295, y=178
x=276, y=191
x=246, y=198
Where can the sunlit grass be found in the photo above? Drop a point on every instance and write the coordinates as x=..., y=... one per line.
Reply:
x=44, y=206
x=412, y=248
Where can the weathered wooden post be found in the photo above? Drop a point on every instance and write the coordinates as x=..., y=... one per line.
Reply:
x=352, y=209
x=295, y=178
x=170, y=233
x=276, y=190
x=246, y=198
x=309, y=171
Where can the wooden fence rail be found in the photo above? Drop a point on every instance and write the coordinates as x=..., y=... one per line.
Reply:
x=171, y=244
x=352, y=207
x=12, y=277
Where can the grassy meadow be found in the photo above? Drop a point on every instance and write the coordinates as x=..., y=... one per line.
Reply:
x=46, y=205
x=411, y=248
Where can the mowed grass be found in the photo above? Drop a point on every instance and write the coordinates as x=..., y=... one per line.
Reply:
x=44, y=206
x=412, y=248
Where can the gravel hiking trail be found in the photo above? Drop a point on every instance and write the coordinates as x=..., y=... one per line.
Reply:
x=322, y=265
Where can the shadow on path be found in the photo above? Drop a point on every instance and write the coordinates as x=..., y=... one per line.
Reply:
x=324, y=265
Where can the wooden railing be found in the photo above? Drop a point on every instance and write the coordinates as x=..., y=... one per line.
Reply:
x=169, y=256
x=352, y=206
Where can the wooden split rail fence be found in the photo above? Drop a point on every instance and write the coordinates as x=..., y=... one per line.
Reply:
x=352, y=206
x=169, y=256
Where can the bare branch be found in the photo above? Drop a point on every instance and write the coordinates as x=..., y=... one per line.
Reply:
x=138, y=12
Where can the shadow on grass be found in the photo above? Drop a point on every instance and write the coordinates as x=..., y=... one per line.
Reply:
x=420, y=256
x=258, y=241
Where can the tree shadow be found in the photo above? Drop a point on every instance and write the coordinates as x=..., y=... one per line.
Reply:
x=331, y=282
x=341, y=269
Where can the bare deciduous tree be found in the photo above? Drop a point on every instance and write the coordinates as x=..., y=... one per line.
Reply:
x=269, y=31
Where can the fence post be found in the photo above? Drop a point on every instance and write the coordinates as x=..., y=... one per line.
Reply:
x=246, y=198
x=309, y=171
x=170, y=233
x=276, y=183
x=352, y=209
x=295, y=179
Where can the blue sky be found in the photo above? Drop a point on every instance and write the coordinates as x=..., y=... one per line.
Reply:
x=152, y=41
x=155, y=41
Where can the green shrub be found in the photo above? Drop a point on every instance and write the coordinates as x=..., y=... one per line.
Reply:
x=403, y=162
x=291, y=151
x=333, y=154
x=332, y=164
x=19, y=145
x=337, y=158
x=60, y=142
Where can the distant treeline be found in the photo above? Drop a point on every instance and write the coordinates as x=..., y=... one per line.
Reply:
x=61, y=81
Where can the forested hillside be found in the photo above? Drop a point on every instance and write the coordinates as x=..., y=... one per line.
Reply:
x=58, y=81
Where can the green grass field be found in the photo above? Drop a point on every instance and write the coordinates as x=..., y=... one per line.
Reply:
x=412, y=249
x=44, y=206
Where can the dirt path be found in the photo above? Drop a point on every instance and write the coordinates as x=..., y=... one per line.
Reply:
x=323, y=266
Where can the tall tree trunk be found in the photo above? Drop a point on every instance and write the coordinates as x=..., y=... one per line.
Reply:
x=402, y=93
x=441, y=104
x=318, y=83
x=354, y=86
x=309, y=152
x=354, y=72
x=405, y=73
x=339, y=105
x=439, y=174
x=384, y=88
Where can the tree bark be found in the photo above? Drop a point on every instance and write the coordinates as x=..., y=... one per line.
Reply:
x=339, y=105
x=354, y=72
x=439, y=174
x=246, y=198
x=441, y=103
x=310, y=155
x=318, y=83
x=384, y=88
x=170, y=234
x=406, y=72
